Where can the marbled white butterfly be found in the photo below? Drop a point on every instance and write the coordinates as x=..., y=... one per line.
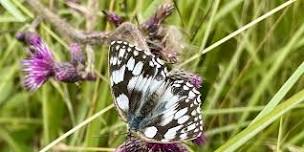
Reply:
x=158, y=106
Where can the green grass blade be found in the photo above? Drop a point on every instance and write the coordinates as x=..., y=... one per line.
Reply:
x=10, y=7
x=241, y=138
x=282, y=92
x=284, y=52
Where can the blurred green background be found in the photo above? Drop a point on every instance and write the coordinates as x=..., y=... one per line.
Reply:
x=260, y=68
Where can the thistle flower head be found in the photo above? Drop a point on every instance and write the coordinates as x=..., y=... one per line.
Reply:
x=196, y=81
x=200, y=139
x=153, y=23
x=113, y=18
x=174, y=147
x=38, y=67
x=77, y=56
x=66, y=72
x=137, y=145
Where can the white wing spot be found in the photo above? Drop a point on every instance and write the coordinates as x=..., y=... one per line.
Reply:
x=189, y=84
x=111, y=60
x=177, y=85
x=191, y=127
x=160, y=61
x=150, y=132
x=171, y=133
x=119, y=42
x=137, y=48
x=183, y=119
x=123, y=102
x=132, y=83
x=166, y=120
x=118, y=75
x=200, y=117
x=191, y=95
x=117, y=47
x=121, y=52
x=151, y=64
x=183, y=136
x=193, y=113
x=113, y=42
x=131, y=63
x=180, y=113
x=114, y=60
x=148, y=53
x=185, y=87
x=135, y=52
x=196, y=130
x=138, y=68
x=179, y=81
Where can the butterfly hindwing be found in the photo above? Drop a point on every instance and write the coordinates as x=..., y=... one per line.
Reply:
x=177, y=115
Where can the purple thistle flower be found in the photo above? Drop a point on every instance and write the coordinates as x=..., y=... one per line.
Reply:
x=174, y=147
x=38, y=67
x=153, y=23
x=136, y=145
x=113, y=18
x=196, y=81
x=200, y=139
x=77, y=56
x=66, y=72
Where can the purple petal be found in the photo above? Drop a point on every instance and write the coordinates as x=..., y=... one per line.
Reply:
x=196, y=81
x=174, y=147
x=140, y=145
x=38, y=67
x=37, y=71
x=200, y=140
x=113, y=18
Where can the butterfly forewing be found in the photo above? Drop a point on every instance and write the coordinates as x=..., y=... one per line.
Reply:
x=157, y=105
x=134, y=74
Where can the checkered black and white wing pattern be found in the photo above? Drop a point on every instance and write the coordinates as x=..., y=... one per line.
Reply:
x=177, y=114
x=157, y=105
x=135, y=74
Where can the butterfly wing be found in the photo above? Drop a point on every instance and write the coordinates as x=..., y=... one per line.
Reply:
x=177, y=114
x=158, y=106
x=134, y=74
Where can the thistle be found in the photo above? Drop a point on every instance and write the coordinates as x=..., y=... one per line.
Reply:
x=136, y=145
x=40, y=65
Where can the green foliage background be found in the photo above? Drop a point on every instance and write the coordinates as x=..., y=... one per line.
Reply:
x=260, y=68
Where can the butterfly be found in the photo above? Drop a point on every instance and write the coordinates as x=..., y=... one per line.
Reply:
x=159, y=106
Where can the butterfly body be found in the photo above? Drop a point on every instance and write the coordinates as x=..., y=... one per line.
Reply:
x=157, y=105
